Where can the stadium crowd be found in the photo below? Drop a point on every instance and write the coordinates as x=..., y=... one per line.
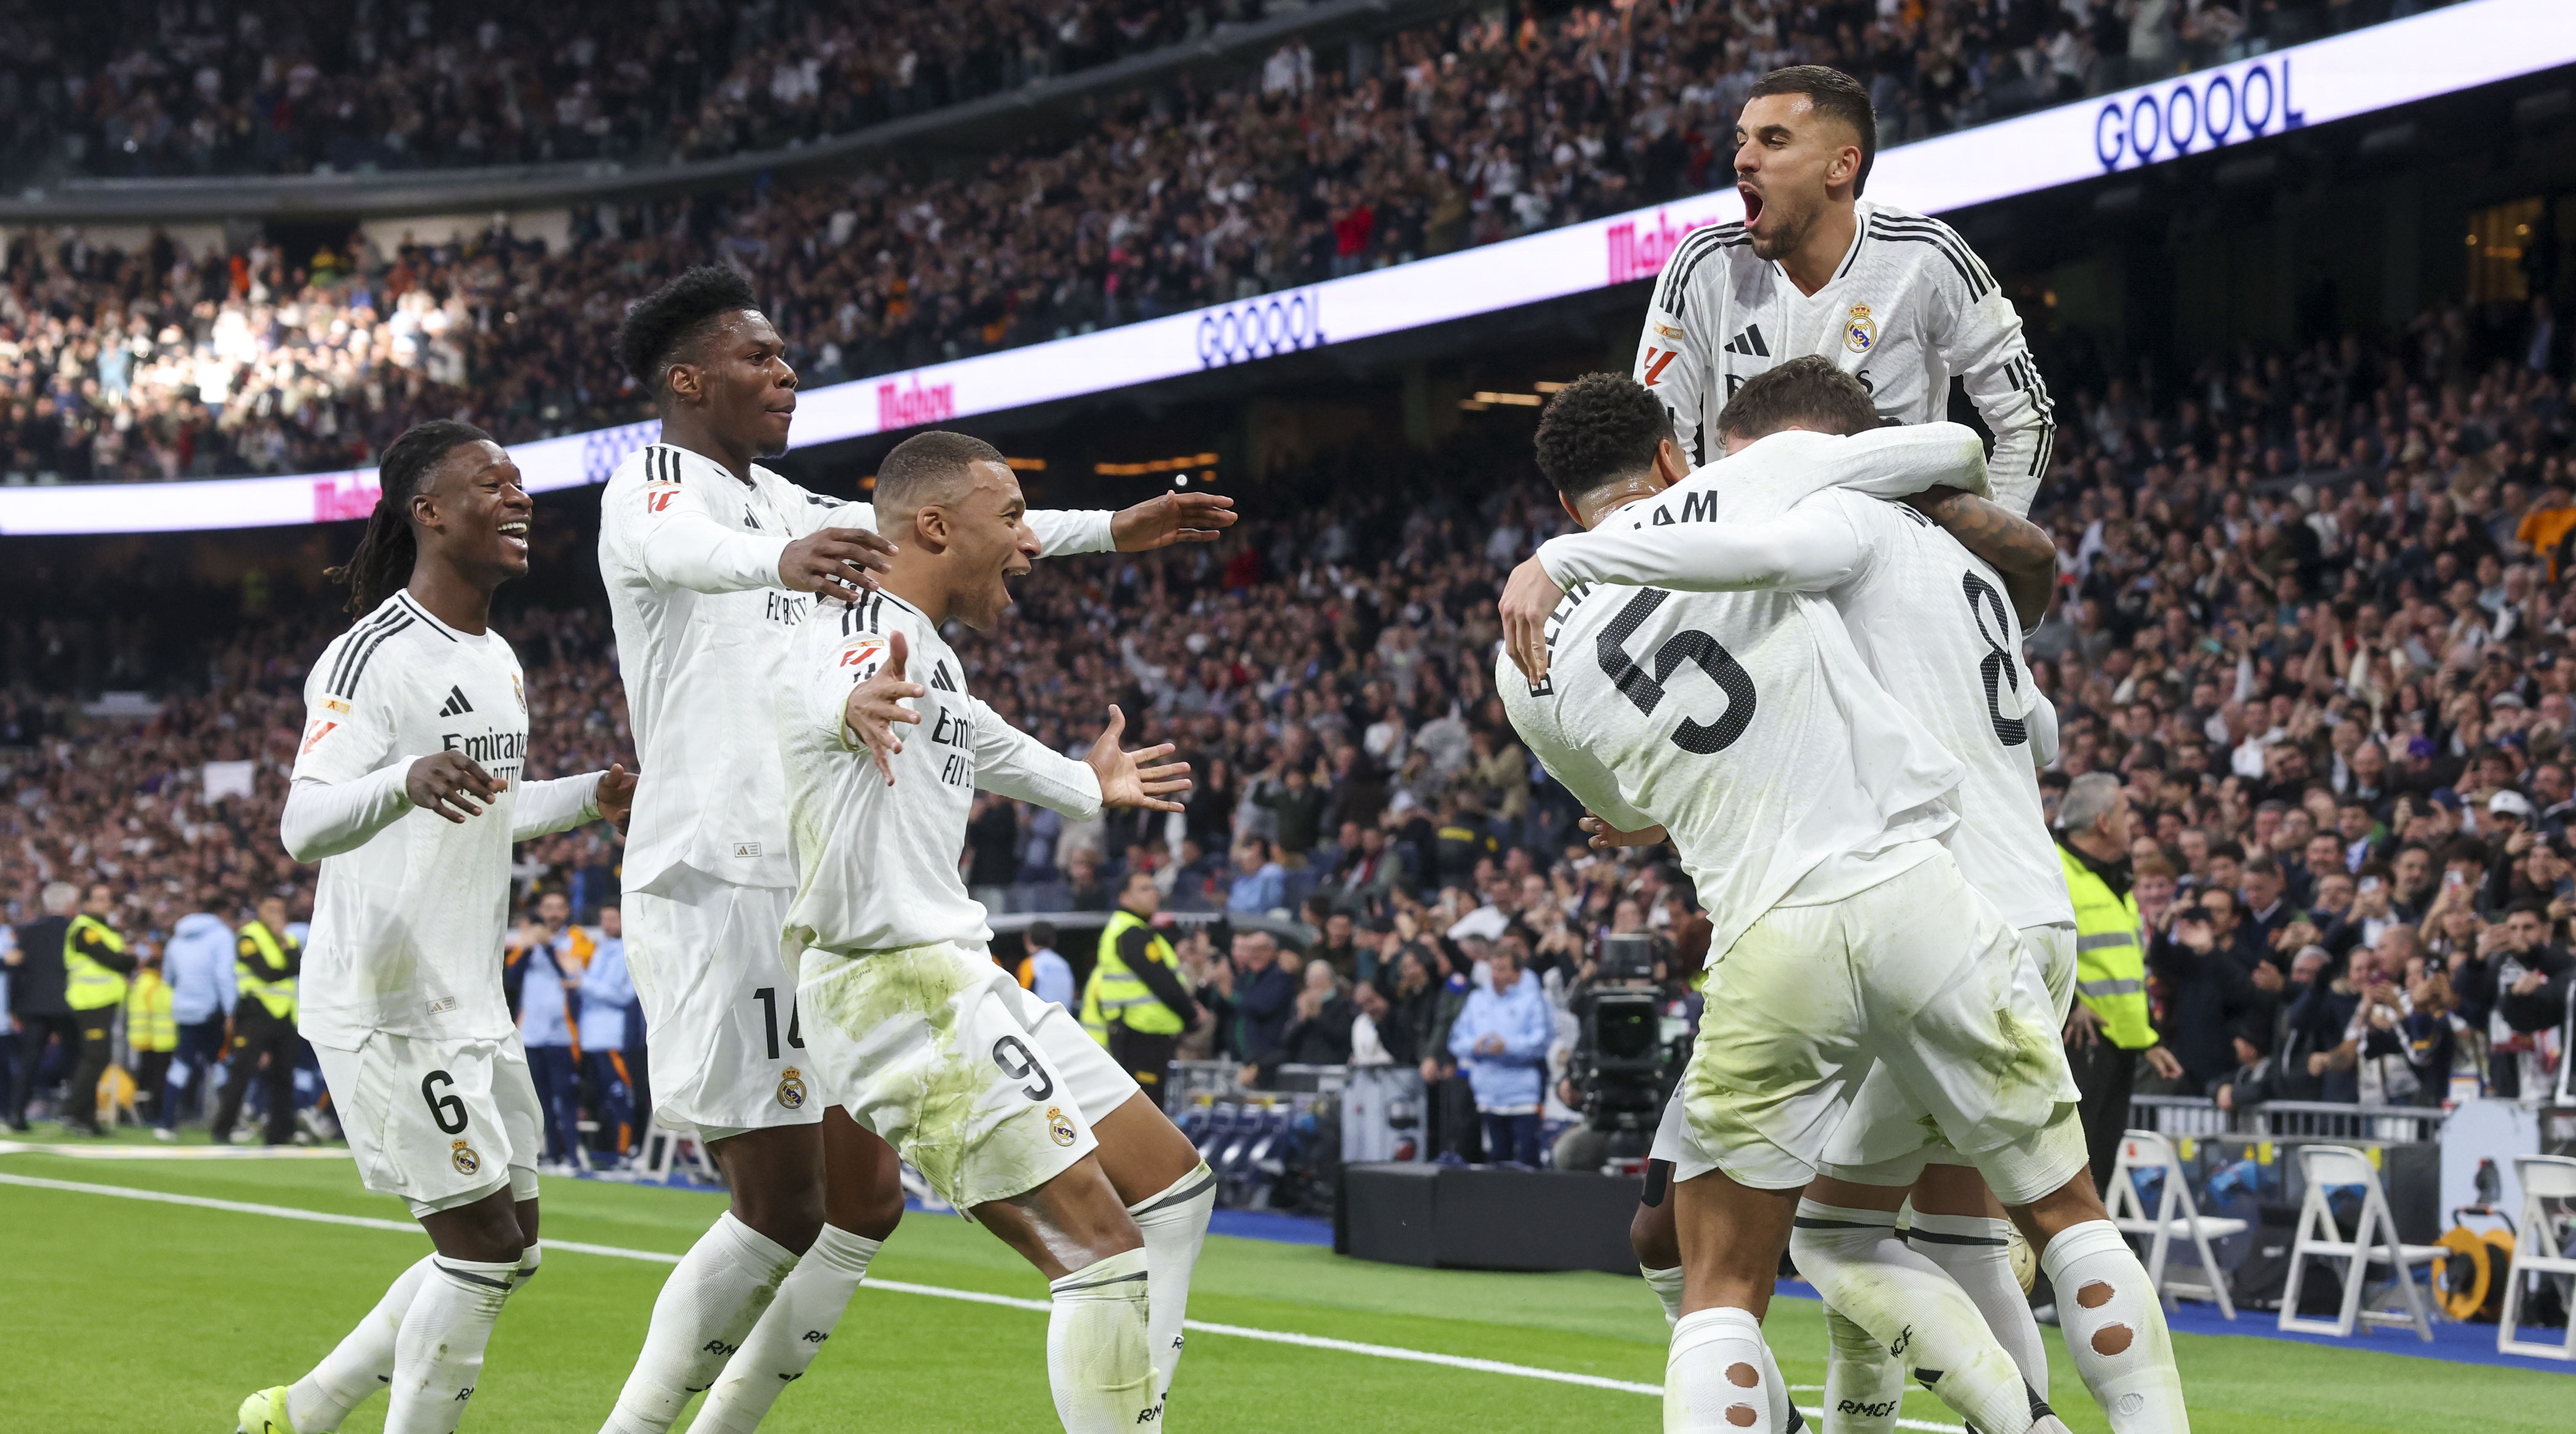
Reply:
x=2315, y=613
x=167, y=363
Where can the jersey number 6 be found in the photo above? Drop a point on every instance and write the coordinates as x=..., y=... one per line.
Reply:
x=1647, y=692
x=447, y=1110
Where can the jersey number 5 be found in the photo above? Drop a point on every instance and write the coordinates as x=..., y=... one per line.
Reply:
x=1647, y=692
x=1997, y=666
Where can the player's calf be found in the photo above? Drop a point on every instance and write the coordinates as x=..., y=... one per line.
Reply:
x=2108, y=1311
x=1075, y=1231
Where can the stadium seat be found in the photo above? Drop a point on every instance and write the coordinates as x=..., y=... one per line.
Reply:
x=2177, y=1216
x=2538, y=1251
x=2374, y=1241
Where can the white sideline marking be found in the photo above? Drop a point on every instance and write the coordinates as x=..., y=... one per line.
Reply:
x=175, y=1152
x=1272, y=1336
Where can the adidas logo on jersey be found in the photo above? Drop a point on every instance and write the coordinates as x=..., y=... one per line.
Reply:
x=940, y=681
x=1749, y=343
x=456, y=703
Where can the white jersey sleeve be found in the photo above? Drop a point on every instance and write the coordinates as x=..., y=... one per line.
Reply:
x=671, y=532
x=1676, y=358
x=1809, y=549
x=1011, y=763
x=1060, y=531
x=555, y=805
x=1980, y=340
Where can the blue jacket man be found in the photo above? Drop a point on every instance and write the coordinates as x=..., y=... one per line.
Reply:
x=1500, y=1041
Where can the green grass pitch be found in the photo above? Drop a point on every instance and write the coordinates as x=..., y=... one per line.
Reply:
x=139, y=1317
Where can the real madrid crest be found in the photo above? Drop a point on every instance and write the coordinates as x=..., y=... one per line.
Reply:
x=1860, y=331
x=1058, y=1126
x=791, y=1089
x=462, y=1156
x=519, y=690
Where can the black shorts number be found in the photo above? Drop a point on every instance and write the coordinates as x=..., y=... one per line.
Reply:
x=1012, y=1055
x=447, y=1110
x=767, y=996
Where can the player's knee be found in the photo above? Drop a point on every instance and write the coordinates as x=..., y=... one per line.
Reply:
x=870, y=1214
x=791, y=1218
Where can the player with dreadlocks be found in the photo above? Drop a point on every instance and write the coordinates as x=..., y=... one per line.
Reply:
x=407, y=790
x=712, y=563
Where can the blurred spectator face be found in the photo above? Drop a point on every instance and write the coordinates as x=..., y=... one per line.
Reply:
x=1337, y=929
x=554, y=909
x=2550, y=784
x=2352, y=822
x=2225, y=873
x=2324, y=854
x=1503, y=963
x=2307, y=965
x=2526, y=930
x=2334, y=892
x=1253, y=950
x=2413, y=869
x=2220, y=903
x=2262, y=888
x=2155, y=893
x=2370, y=764
x=1319, y=976
x=1627, y=918
x=1350, y=838
x=1534, y=893
x=1286, y=957
x=1372, y=1003
x=1410, y=974
x=2195, y=850
x=612, y=923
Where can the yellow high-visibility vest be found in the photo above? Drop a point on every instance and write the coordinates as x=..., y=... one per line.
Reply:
x=87, y=985
x=2110, y=965
x=1116, y=995
x=148, y=1023
x=266, y=978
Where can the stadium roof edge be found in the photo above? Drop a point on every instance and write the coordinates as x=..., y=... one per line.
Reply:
x=2346, y=77
x=392, y=195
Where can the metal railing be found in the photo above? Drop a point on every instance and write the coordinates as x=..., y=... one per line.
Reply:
x=2200, y=1117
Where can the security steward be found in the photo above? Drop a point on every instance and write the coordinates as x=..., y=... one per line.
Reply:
x=1134, y=1003
x=151, y=1036
x=39, y=980
x=95, y=965
x=266, y=962
x=2108, y=1031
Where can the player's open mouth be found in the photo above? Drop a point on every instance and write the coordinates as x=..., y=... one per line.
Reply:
x=1752, y=204
x=516, y=532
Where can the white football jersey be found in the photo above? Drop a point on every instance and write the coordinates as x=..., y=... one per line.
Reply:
x=1929, y=618
x=1747, y=727
x=877, y=864
x=1910, y=308
x=408, y=926
x=690, y=557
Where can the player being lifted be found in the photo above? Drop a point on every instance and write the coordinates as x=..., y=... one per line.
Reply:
x=1894, y=298
x=408, y=790
x=915, y=1027
x=1806, y=803
x=708, y=558
x=1937, y=625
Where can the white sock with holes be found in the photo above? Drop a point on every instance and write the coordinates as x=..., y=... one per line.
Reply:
x=1097, y=1361
x=790, y=1333
x=1864, y=1389
x=1667, y=1285
x=2115, y=1329
x=1976, y=1251
x=361, y=1364
x=1714, y=1376
x=706, y=1309
x=1919, y=1315
x=438, y=1355
x=1174, y=1223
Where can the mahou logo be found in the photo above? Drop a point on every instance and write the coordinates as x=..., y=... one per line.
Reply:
x=901, y=407
x=345, y=495
x=1639, y=252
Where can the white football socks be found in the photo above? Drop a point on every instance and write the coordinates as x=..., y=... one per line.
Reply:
x=1719, y=1377
x=1976, y=1252
x=1667, y=1285
x=361, y=1364
x=1174, y=1223
x=1097, y=1362
x=1919, y=1315
x=1864, y=1389
x=2115, y=1329
x=706, y=1309
x=790, y=1333
x=529, y=1259
x=438, y=1355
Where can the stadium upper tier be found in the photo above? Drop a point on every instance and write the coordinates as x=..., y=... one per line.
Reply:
x=168, y=362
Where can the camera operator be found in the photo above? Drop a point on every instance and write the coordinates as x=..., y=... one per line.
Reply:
x=1623, y=1067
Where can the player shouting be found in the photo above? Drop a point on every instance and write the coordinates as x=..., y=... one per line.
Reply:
x=1893, y=298
x=408, y=791
x=708, y=558
x=922, y=1034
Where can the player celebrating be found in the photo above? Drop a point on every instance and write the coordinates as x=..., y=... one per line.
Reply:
x=1849, y=935
x=407, y=789
x=915, y=1027
x=1961, y=677
x=1894, y=298
x=707, y=556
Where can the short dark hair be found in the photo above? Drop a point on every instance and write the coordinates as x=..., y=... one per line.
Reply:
x=921, y=465
x=1805, y=391
x=1835, y=95
x=1601, y=427
x=1041, y=935
x=664, y=322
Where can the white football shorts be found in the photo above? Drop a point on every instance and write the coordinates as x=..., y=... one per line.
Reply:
x=925, y=1045
x=441, y=1123
x=1096, y=1082
x=1918, y=973
x=727, y=1051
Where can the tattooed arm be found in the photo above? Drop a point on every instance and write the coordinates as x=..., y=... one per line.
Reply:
x=2019, y=549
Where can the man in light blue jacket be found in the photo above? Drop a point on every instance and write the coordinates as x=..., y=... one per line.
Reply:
x=606, y=990
x=1501, y=1042
x=198, y=964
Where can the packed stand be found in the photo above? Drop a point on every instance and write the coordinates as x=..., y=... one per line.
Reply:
x=151, y=90
x=170, y=363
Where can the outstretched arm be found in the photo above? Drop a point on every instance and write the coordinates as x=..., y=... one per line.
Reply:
x=1011, y=763
x=2018, y=548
